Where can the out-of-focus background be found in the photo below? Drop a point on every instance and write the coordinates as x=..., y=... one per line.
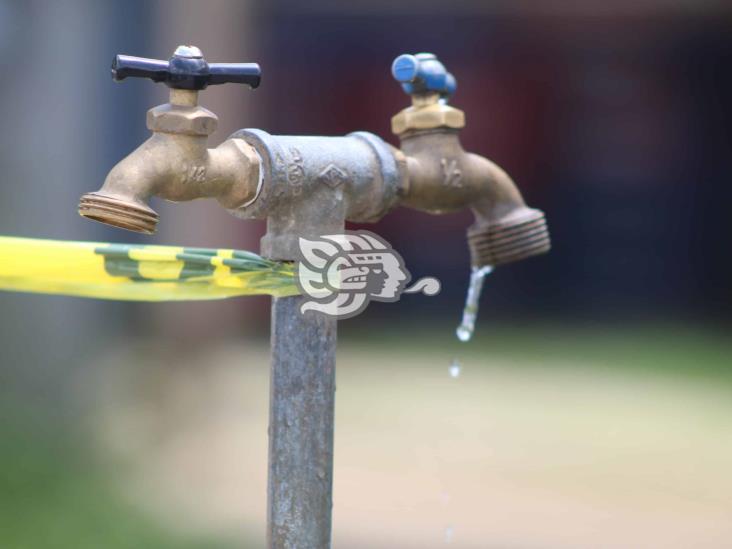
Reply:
x=592, y=409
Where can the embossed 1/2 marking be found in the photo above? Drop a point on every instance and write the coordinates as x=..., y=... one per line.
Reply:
x=195, y=173
x=451, y=174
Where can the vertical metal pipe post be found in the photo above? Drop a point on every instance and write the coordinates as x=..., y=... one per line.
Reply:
x=302, y=396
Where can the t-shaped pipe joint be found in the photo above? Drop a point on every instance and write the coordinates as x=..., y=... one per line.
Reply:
x=313, y=184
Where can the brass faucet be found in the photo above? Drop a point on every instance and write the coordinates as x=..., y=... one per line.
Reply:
x=444, y=178
x=175, y=163
x=307, y=186
x=310, y=185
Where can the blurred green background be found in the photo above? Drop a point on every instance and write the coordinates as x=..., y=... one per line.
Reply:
x=544, y=437
x=592, y=408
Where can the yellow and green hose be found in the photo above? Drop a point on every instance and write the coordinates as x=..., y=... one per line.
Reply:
x=138, y=272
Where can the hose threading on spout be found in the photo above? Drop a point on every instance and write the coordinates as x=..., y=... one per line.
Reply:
x=508, y=242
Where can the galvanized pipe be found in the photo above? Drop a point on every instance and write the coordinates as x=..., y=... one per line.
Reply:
x=302, y=397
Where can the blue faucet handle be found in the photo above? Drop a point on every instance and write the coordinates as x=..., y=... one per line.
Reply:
x=422, y=73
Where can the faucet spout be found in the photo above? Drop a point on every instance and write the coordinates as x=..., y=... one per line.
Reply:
x=444, y=178
x=505, y=228
x=174, y=164
x=122, y=200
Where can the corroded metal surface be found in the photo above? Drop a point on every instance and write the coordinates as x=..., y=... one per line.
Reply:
x=302, y=394
x=313, y=184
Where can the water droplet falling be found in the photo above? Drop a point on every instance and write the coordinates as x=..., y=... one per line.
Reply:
x=455, y=368
x=472, y=302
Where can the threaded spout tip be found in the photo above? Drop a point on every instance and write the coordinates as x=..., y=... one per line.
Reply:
x=508, y=242
x=118, y=212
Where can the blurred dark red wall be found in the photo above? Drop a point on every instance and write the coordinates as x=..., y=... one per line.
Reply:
x=616, y=124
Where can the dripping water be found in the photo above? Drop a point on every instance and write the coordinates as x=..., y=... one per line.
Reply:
x=464, y=333
x=472, y=301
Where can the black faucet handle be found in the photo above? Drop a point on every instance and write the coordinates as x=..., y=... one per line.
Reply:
x=186, y=70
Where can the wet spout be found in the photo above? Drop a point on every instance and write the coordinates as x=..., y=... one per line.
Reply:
x=444, y=178
x=505, y=229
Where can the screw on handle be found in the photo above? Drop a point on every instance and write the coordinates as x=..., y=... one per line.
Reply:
x=422, y=74
x=186, y=70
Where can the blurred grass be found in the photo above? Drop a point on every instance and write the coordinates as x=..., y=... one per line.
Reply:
x=400, y=411
x=697, y=351
x=53, y=497
x=611, y=433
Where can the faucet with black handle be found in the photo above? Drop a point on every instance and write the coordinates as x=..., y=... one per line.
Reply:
x=175, y=163
x=307, y=186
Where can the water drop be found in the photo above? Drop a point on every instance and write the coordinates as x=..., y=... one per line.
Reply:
x=465, y=331
x=455, y=368
x=449, y=533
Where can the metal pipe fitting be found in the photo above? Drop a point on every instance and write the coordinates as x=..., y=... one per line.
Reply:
x=312, y=185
